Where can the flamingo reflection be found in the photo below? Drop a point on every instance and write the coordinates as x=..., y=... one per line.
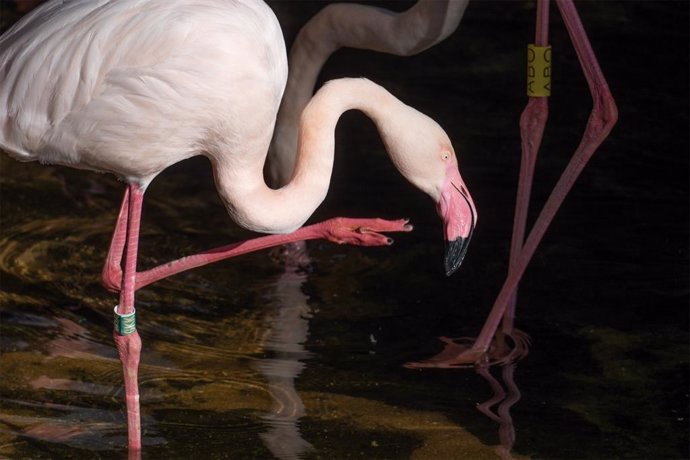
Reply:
x=287, y=324
x=505, y=391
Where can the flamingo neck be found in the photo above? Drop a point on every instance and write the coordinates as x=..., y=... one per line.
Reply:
x=254, y=205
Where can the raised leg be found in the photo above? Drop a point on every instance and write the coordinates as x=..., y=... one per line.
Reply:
x=340, y=230
x=111, y=277
x=126, y=336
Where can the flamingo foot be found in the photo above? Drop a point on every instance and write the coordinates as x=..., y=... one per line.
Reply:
x=459, y=352
x=363, y=232
x=129, y=349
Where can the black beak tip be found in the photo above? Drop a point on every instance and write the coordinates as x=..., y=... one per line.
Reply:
x=455, y=253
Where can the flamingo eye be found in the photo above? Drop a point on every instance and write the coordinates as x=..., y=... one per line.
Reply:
x=445, y=156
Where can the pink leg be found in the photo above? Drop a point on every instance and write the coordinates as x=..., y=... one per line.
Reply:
x=363, y=232
x=111, y=277
x=532, y=124
x=341, y=230
x=602, y=119
x=129, y=346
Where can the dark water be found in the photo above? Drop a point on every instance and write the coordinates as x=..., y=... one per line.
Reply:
x=245, y=360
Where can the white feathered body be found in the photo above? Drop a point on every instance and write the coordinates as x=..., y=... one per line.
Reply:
x=134, y=86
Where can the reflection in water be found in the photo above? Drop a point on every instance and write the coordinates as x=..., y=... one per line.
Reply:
x=287, y=321
x=506, y=394
x=82, y=427
x=73, y=425
x=75, y=341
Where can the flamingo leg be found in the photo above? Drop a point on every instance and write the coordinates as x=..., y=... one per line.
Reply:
x=111, y=277
x=601, y=120
x=532, y=123
x=129, y=345
x=362, y=232
x=340, y=230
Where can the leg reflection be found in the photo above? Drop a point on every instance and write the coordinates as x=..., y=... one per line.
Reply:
x=287, y=328
x=501, y=355
x=505, y=396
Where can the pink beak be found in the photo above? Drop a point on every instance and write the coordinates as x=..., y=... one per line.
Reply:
x=459, y=216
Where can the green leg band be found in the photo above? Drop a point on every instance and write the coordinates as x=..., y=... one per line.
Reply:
x=125, y=324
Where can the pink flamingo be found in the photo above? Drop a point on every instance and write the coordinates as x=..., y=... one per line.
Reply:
x=131, y=87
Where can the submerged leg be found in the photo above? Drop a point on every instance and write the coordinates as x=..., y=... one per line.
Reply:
x=125, y=334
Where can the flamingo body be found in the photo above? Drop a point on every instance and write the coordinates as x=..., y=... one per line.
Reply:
x=131, y=87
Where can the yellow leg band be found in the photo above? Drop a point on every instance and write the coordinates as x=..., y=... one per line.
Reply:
x=538, y=71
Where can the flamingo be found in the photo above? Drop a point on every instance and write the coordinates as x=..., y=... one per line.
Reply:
x=131, y=87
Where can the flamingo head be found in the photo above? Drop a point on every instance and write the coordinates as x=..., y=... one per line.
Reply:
x=422, y=152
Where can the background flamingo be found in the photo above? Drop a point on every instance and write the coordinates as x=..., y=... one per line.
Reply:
x=349, y=25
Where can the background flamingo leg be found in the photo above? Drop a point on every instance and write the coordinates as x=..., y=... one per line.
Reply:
x=532, y=123
x=129, y=346
x=601, y=120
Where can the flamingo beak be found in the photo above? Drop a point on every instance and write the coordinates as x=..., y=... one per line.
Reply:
x=456, y=208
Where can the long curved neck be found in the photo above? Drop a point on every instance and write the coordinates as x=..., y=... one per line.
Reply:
x=255, y=206
x=356, y=26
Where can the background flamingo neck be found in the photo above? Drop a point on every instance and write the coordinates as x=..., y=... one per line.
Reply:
x=406, y=33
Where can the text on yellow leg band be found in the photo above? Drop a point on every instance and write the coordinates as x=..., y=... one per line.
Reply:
x=538, y=70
